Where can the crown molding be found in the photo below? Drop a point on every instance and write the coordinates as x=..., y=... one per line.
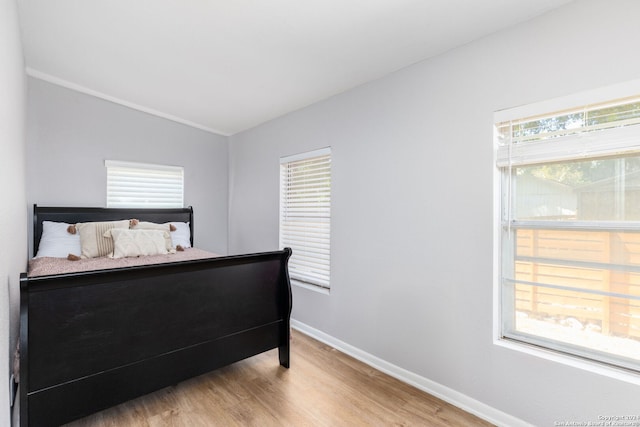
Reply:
x=78, y=88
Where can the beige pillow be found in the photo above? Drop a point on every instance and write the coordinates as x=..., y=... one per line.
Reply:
x=134, y=243
x=143, y=225
x=140, y=225
x=92, y=241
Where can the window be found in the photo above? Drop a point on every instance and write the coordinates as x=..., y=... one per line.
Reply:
x=141, y=185
x=570, y=228
x=305, y=215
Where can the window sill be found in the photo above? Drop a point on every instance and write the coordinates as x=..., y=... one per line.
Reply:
x=314, y=288
x=620, y=374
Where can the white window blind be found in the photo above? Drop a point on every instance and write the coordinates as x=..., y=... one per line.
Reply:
x=590, y=130
x=141, y=185
x=305, y=215
x=570, y=230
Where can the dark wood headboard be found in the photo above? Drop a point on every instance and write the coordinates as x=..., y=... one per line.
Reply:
x=74, y=215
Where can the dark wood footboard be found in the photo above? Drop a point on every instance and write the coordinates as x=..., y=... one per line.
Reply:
x=92, y=340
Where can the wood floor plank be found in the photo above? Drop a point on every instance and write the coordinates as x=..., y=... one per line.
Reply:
x=324, y=387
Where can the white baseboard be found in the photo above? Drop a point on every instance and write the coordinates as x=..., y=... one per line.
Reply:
x=447, y=394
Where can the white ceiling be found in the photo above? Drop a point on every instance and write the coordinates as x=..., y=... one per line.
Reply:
x=228, y=65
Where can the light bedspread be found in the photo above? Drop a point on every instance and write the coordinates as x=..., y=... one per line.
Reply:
x=47, y=266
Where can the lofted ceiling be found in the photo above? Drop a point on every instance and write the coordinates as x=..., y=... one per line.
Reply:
x=228, y=65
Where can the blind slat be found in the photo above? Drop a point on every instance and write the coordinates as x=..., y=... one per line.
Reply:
x=144, y=185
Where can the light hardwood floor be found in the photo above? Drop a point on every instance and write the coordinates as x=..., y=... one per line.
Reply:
x=323, y=387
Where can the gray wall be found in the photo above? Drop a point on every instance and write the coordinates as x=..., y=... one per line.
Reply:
x=71, y=134
x=13, y=205
x=412, y=207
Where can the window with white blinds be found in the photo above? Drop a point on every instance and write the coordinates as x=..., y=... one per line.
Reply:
x=141, y=185
x=569, y=220
x=305, y=215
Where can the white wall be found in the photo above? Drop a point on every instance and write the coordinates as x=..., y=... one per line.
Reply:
x=13, y=206
x=71, y=134
x=412, y=203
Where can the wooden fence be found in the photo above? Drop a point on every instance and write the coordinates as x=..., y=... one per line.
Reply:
x=556, y=257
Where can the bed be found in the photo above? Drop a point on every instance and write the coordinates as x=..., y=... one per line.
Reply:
x=93, y=339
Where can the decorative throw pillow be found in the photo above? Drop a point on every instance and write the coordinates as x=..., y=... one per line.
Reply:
x=92, y=240
x=56, y=241
x=134, y=243
x=143, y=225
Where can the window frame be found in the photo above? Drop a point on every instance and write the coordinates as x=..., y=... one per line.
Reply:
x=503, y=252
x=299, y=274
x=156, y=177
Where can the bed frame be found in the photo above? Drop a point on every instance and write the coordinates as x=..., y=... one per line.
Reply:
x=92, y=340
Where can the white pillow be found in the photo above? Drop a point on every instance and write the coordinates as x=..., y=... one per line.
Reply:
x=133, y=243
x=57, y=242
x=182, y=235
